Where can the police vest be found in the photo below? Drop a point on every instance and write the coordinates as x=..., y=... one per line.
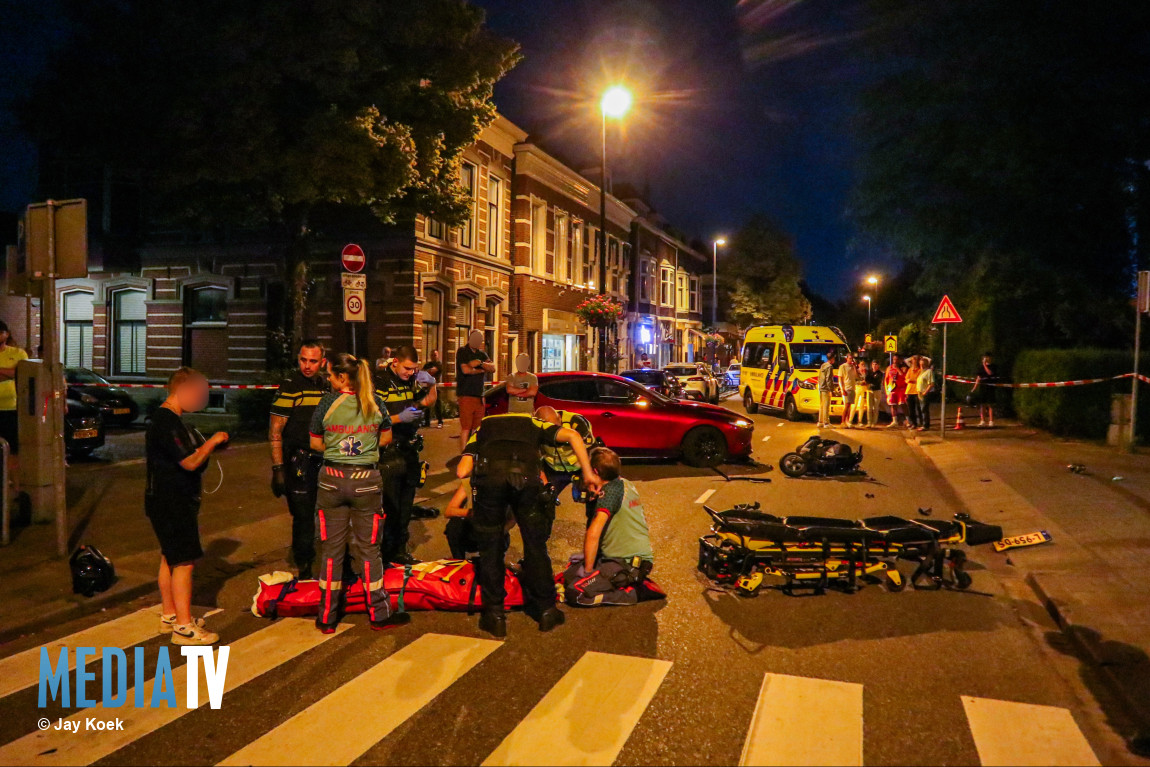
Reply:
x=398, y=395
x=510, y=444
x=296, y=401
x=561, y=457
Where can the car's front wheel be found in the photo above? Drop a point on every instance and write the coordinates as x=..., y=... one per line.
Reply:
x=791, y=410
x=749, y=403
x=705, y=447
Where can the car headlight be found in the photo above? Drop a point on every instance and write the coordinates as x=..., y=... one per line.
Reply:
x=743, y=423
x=88, y=399
x=808, y=385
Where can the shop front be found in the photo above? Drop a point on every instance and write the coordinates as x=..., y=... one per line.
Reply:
x=562, y=342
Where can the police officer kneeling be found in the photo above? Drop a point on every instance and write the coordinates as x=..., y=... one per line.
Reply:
x=400, y=464
x=506, y=450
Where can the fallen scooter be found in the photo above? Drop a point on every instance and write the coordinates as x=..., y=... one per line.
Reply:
x=747, y=546
x=821, y=457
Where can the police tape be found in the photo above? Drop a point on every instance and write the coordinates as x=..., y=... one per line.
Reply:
x=231, y=387
x=1052, y=384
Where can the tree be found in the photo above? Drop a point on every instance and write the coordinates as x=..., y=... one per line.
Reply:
x=1005, y=150
x=760, y=277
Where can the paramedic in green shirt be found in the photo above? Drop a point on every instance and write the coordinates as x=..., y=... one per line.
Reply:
x=349, y=427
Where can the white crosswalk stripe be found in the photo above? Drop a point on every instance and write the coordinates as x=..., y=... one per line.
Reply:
x=791, y=725
x=563, y=728
x=22, y=669
x=251, y=656
x=396, y=687
x=1007, y=733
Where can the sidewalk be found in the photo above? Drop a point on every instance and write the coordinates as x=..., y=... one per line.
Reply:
x=1094, y=576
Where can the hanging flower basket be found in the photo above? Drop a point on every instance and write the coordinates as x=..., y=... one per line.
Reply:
x=599, y=311
x=714, y=339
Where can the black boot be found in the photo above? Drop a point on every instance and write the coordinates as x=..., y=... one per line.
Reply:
x=305, y=570
x=392, y=621
x=424, y=512
x=494, y=623
x=403, y=559
x=550, y=618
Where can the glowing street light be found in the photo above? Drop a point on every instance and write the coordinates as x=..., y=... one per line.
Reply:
x=871, y=280
x=715, y=281
x=615, y=104
x=868, y=305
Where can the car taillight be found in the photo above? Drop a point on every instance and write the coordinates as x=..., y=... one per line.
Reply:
x=695, y=378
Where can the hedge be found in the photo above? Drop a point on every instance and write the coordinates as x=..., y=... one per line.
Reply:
x=251, y=409
x=1077, y=411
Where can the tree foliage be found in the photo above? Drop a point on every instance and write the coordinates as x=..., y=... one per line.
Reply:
x=1005, y=149
x=258, y=112
x=760, y=277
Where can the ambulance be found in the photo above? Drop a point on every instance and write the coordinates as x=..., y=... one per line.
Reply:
x=781, y=368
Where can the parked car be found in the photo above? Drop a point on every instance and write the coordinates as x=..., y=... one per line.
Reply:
x=636, y=421
x=83, y=428
x=89, y=388
x=732, y=375
x=658, y=380
x=698, y=381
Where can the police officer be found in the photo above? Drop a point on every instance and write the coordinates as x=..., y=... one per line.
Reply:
x=504, y=458
x=402, y=468
x=560, y=464
x=349, y=425
x=295, y=468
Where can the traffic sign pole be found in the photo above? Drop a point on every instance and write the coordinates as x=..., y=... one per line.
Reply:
x=944, y=315
x=942, y=408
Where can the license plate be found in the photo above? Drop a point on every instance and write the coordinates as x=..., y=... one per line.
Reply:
x=121, y=411
x=1015, y=541
x=85, y=433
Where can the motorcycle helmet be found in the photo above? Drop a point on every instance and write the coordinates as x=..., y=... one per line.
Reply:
x=92, y=572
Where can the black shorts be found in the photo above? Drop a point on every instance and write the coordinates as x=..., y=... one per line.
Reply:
x=8, y=430
x=177, y=526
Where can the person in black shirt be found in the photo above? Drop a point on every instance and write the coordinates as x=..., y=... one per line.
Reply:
x=472, y=365
x=982, y=395
x=400, y=464
x=434, y=368
x=176, y=458
x=295, y=468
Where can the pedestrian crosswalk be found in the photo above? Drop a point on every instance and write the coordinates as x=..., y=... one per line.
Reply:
x=587, y=717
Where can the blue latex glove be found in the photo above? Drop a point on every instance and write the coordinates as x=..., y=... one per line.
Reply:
x=424, y=378
x=410, y=415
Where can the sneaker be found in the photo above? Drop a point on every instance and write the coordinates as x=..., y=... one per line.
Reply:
x=193, y=634
x=392, y=621
x=550, y=618
x=439, y=425
x=494, y=624
x=168, y=623
x=990, y=425
x=325, y=628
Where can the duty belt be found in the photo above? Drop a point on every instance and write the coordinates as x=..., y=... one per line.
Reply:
x=342, y=465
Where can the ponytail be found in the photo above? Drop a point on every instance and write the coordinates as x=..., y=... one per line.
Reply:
x=359, y=371
x=365, y=389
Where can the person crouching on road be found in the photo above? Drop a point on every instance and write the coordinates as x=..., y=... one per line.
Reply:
x=176, y=459
x=560, y=464
x=506, y=451
x=459, y=531
x=349, y=426
x=617, y=541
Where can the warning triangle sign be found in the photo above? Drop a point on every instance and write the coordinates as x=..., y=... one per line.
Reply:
x=946, y=312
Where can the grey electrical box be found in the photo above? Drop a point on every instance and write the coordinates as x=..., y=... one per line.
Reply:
x=40, y=420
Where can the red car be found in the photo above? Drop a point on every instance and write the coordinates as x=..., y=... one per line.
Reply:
x=632, y=420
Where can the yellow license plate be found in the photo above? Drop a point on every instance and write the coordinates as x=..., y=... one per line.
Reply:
x=121, y=411
x=85, y=433
x=1030, y=539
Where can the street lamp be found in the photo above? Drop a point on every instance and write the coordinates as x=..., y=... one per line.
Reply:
x=872, y=280
x=615, y=104
x=715, y=282
x=867, y=299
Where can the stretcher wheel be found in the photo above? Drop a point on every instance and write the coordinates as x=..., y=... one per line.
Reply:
x=894, y=581
x=962, y=580
x=793, y=465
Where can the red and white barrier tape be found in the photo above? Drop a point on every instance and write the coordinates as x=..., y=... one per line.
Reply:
x=213, y=386
x=1052, y=384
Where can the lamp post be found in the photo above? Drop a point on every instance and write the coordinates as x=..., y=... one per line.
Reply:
x=616, y=101
x=715, y=282
x=868, y=327
x=872, y=280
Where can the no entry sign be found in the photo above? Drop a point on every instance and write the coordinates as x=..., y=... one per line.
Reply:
x=352, y=258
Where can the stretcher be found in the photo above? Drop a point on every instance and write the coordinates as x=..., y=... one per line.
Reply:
x=444, y=584
x=748, y=549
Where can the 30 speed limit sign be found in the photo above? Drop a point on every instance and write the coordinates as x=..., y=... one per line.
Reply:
x=354, y=306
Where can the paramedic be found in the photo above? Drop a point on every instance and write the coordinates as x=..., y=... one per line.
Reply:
x=349, y=426
x=295, y=468
x=506, y=450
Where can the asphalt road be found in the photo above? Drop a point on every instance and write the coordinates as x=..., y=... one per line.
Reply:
x=691, y=673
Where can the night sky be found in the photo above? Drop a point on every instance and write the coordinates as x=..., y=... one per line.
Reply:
x=742, y=107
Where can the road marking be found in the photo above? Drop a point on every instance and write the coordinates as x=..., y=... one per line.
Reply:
x=766, y=438
x=332, y=731
x=23, y=669
x=1008, y=733
x=250, y=657
x=705, y=496
x=791, y=725
x=587, y=716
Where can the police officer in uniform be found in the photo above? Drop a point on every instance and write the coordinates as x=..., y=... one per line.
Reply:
x=560, y=465
x=505, y=461
x=400, y=464
x=295, y=468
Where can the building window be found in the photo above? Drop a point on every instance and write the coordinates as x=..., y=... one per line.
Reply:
x=464, y=320
x=589, y=236
x=645, y=280
x=432, y=321
x=539, y=238
x=436, y=229
x=491, y=330
x=695, y=294
x=682, y=294
x=77, y=341
x=467, y=175
x=494, y=219
x=129, y=329
x=562, y=248
x=666, y=285
x=208, y=305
